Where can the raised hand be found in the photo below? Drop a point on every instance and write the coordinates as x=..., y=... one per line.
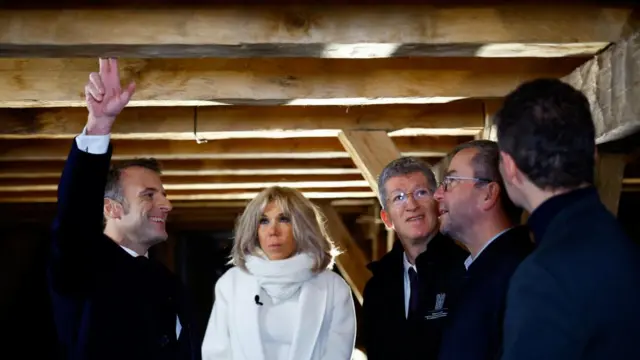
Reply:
x=105, y=97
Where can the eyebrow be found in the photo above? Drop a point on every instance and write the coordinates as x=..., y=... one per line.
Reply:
x=152, y=189
x=450, y=172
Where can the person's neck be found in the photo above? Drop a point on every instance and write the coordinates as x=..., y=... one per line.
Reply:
x=119, y=238
x=483, y=230
x=416, y=247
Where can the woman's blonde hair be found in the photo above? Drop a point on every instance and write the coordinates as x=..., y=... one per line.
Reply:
x=308, y=221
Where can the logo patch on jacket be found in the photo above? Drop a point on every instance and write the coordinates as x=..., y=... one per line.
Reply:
x=439, y=310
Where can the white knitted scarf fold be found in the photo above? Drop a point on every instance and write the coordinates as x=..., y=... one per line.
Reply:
x=280, y=278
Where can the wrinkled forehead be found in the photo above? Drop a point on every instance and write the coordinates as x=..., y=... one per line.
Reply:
x=406, y=182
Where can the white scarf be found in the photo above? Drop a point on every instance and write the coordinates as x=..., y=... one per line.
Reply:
x=281, y=278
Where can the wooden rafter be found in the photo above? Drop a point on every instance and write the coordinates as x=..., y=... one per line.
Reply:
x=187, y=82
x=359, y=31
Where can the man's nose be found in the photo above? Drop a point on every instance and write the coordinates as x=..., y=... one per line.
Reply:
x=165, y=204
x=439, y=194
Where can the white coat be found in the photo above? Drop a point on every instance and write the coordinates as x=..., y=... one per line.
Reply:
x=325, y=331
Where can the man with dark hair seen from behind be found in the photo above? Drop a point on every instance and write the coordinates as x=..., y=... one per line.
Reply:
x=576, y=296
x=407, y=300
x=110, y=301
x=476, y=210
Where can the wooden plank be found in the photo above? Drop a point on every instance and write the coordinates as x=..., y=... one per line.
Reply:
x=311, y=148
x=219, y=122
x=352, y=263
x=191, y=168
x=188, y=82
x=609, y=179
x=201, y=196
x=371, y=151
x=209, y=183
x=610, y=82
x=326, y=30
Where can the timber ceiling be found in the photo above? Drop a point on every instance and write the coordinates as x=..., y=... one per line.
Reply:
x=235, y=98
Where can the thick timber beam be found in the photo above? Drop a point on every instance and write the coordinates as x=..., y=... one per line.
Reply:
x=352, y=263
x=287, y=81
x=323, y=30
x=371, y=151
x=462, y=117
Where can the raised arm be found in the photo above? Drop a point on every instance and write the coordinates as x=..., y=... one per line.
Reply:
x=79, y=217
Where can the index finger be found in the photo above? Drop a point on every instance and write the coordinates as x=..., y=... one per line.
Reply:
x=104, y=66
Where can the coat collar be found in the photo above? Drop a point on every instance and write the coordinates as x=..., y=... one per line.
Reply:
x=311, y=310
x=246, y=318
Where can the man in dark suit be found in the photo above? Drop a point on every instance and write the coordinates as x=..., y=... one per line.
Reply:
x=110, y=301
x=476, y=210
x=576, y=296
x=408, y=298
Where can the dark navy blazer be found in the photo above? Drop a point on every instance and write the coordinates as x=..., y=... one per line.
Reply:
x=108, y=304
x=474, y=331
x=577, y=296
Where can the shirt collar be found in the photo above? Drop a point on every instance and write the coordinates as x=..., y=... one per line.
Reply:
x=407, y=264
x=470, y=259
x=133, y=253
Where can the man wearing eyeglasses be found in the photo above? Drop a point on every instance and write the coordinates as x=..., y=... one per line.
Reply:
x=407, y=300
x=476, y=210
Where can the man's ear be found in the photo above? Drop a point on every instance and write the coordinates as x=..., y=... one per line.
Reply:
x=509, y=168
x=384, y=216
x=492, y=196
x=112, y=209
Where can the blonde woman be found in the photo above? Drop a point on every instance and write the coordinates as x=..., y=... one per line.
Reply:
x=281, y=301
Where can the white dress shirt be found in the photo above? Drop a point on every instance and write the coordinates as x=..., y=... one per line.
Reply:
x=407, y=283
x=98, y=144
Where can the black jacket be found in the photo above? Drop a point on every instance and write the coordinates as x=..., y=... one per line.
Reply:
x=577, y=296
x=108, y=304
x=474, y=331
x=388, y=335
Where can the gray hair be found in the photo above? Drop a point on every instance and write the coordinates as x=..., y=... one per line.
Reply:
x=404, y=166
x=486, y=165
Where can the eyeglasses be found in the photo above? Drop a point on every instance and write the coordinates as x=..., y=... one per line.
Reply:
x=449, y=179
x=399, y=199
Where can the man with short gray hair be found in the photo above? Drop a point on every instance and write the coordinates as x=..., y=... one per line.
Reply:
x=407, y=300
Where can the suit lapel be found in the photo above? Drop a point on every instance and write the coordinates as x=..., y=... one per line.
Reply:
x=247, y=331
x=311, y=308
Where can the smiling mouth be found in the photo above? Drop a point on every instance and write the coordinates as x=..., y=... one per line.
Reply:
x=157, y=219
x=415, y=218
x=442, y=212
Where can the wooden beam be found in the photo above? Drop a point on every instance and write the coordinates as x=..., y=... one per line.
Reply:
x=191, y=168
x=325, y=30
x=211, y=183
x=311, y=148
x=490, y=131
x=463, y=117
x=371, y=151
x=611, y=83
x=609, y=177
x=201, y=196
x=352, y=262
x=188, y=82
